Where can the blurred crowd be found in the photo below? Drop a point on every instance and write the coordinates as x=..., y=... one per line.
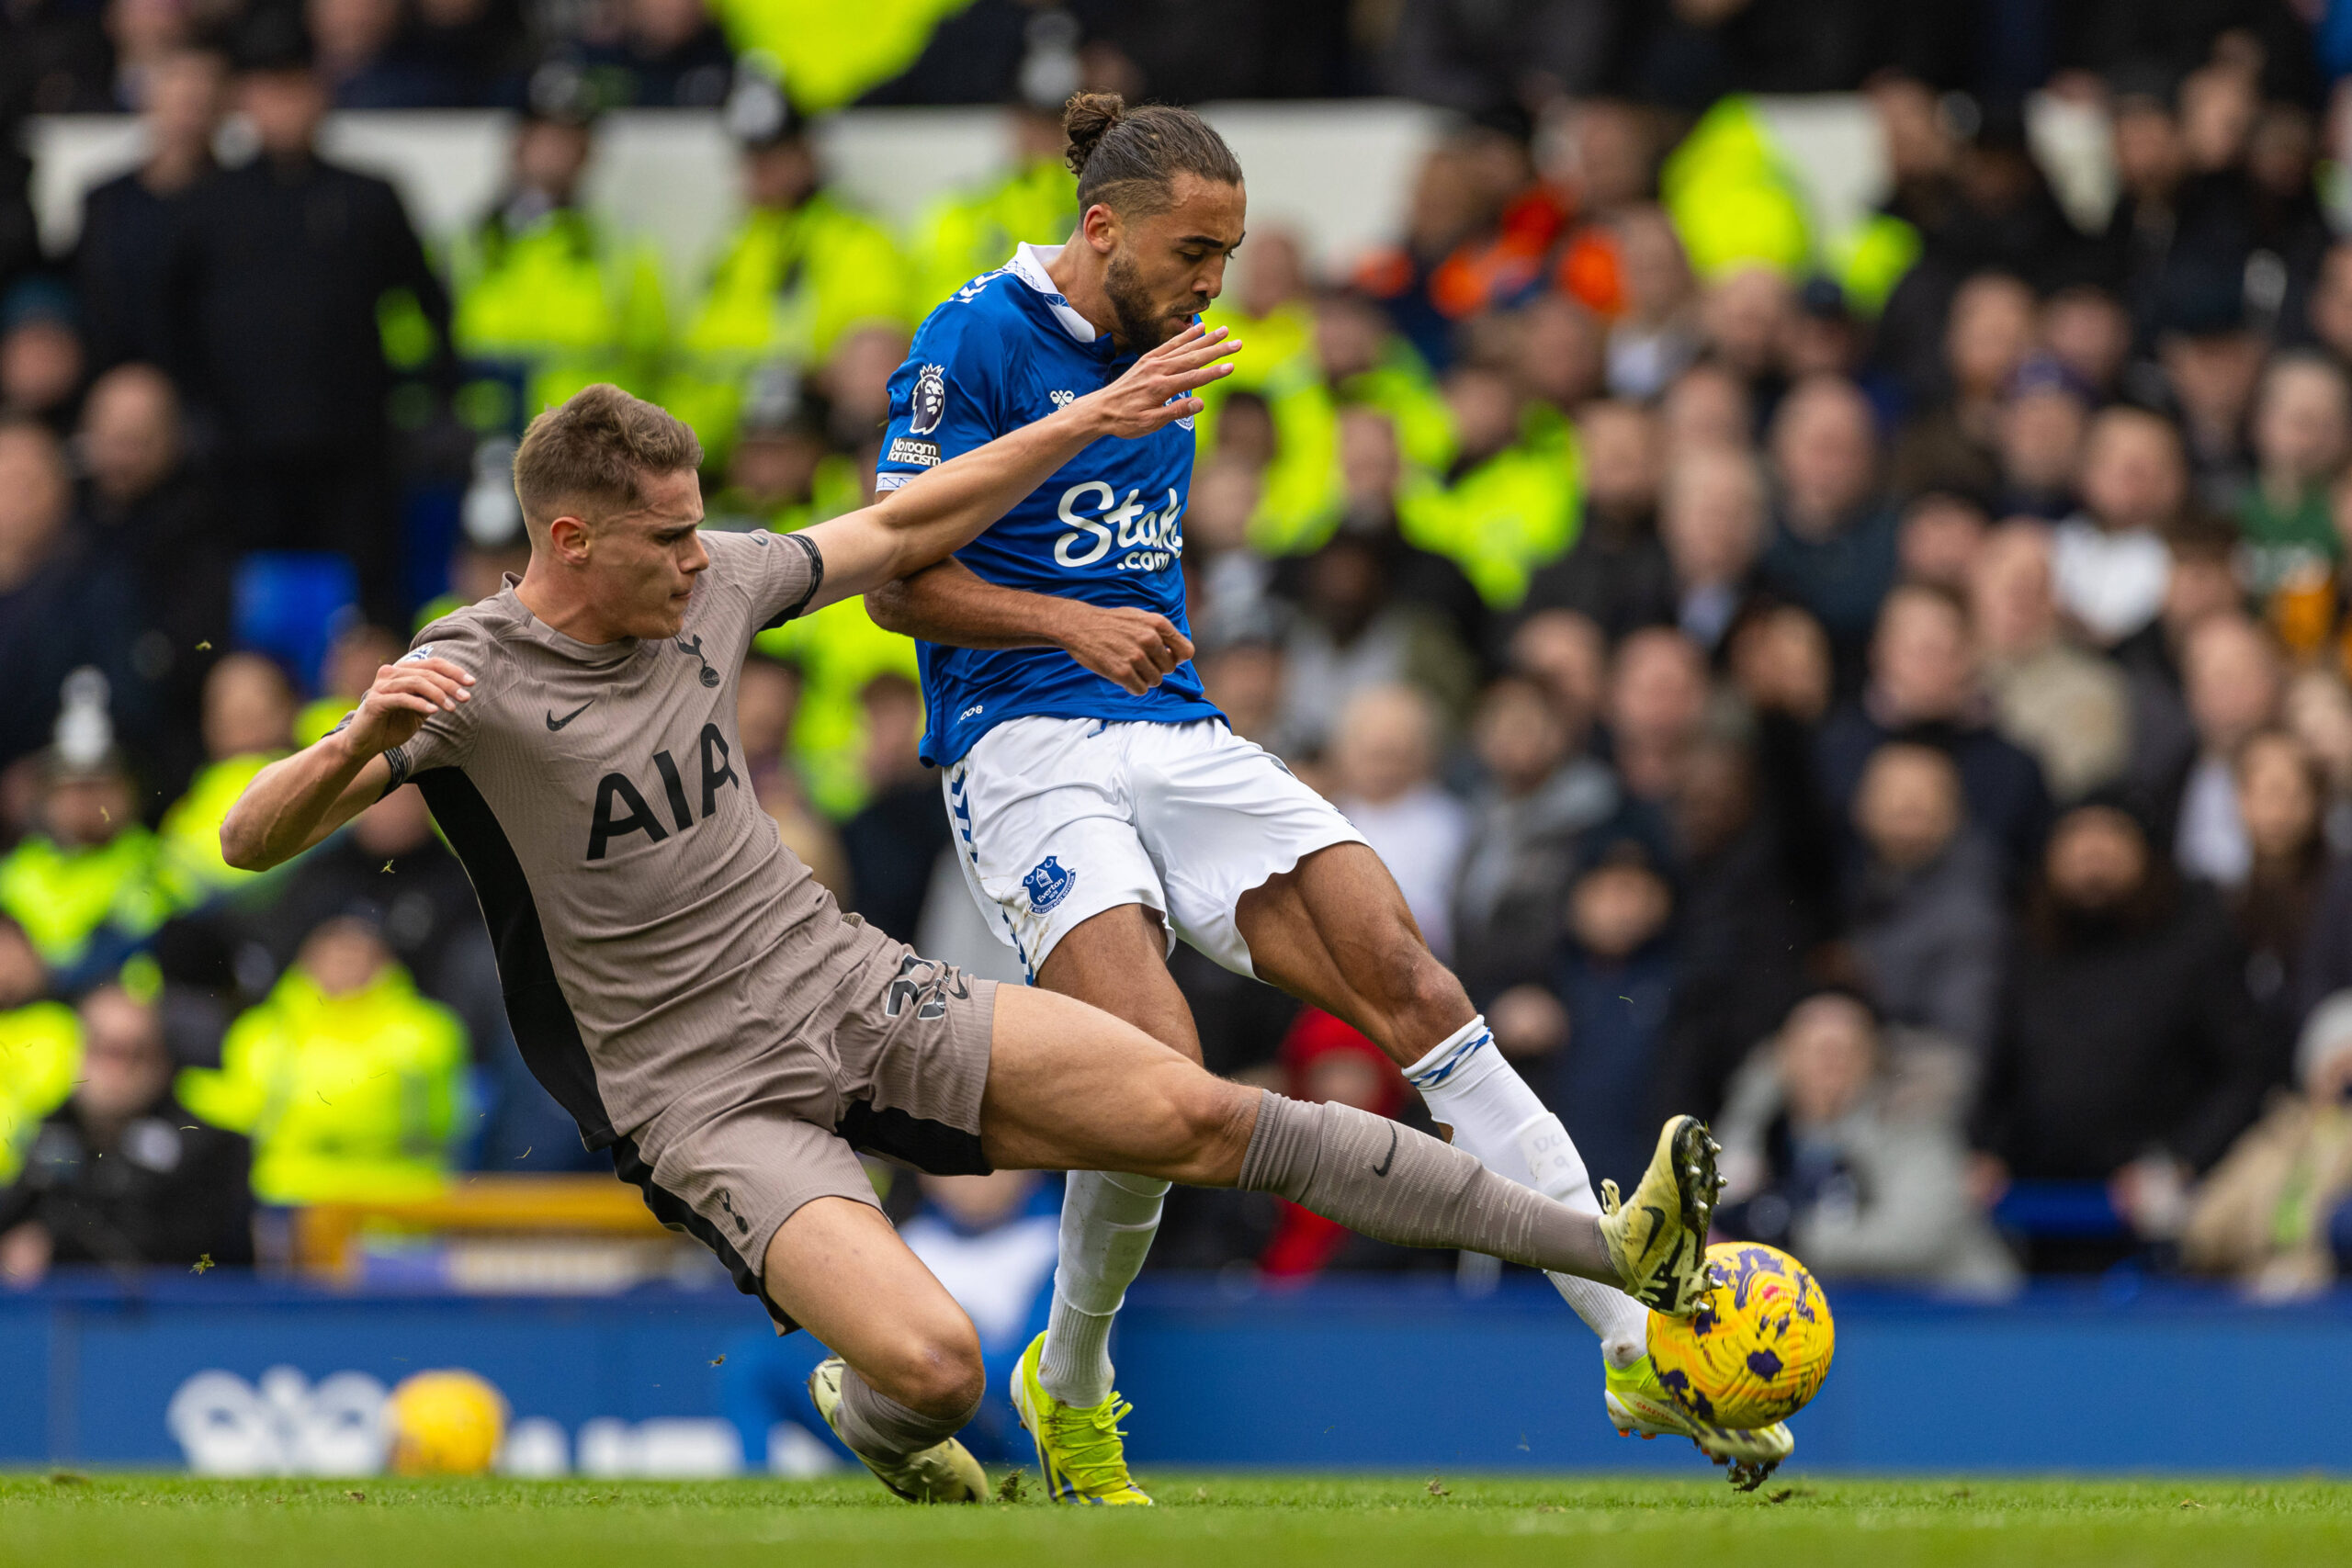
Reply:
x=92, y=56
x=1888, y=690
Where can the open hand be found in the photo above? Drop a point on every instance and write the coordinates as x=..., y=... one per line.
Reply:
x=1134, y=647
x=406, y=695
x=1157, y=387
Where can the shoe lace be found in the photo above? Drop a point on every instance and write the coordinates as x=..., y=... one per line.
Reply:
x=1610, y=1202
x=1093, y=1454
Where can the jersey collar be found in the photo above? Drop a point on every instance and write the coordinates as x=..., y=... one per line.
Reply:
x=1028, y=264
x=591, y=653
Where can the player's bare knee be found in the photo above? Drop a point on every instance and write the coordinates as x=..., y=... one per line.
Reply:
x=937, y=1372
x=952, y=1386
x=1213, y=1119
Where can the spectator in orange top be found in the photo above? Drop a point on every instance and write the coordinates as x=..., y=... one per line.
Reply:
x=1478, y=233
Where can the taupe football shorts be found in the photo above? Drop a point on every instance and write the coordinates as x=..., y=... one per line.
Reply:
x=893, y=1064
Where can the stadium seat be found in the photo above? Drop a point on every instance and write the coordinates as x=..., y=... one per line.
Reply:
x=290, y=604
x=2060, y=1210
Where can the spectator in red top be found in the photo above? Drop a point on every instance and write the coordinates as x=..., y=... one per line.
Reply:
x=1323, y=1059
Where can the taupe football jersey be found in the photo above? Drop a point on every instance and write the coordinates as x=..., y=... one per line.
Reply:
x=652, y=930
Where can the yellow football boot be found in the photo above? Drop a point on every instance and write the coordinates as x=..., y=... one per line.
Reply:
x=1657, y=1239
x=1081, y=1455
x=1640, y=1407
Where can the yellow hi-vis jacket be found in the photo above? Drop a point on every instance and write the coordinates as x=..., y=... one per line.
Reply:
x=825, y=53
x=963, y=236
x=557, y=304
x=40, y=1053
x=1506, y=516
x=787, y=286
x=191, y=826
x=64, y=898
x=352, y=1097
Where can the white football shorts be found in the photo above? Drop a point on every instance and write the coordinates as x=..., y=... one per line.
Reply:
x=1058, y=819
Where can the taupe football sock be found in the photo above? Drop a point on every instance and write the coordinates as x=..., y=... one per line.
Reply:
x=1384, y=1180
x=881, y=1427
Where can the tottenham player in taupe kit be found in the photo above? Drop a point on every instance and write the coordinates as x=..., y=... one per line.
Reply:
x=704, y=1010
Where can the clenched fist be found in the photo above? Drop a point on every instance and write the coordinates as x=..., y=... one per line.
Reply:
x=405, y=695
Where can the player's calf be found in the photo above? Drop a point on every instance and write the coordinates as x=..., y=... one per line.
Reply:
x=900, y=1407
x=913, y=1452
x=917, y=1384
x=1336, y=932
x=1393, y=1184
x=1419, y=997
x=1384, y=1180
x=906, y=1373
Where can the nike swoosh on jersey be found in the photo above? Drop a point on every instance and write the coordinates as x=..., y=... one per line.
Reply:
x=555, y=723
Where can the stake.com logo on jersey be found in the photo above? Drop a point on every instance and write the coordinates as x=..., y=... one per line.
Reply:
x=1150, y=537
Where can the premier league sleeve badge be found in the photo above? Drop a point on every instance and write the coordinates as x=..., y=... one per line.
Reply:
x=929, y=401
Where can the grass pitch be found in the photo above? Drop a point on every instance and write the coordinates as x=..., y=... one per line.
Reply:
x=1230, y=1521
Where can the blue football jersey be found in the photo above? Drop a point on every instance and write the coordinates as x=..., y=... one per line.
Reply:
x=1004, y=350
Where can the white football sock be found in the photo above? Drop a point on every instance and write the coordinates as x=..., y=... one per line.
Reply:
x=1470, y=1088
x=1108, y=1221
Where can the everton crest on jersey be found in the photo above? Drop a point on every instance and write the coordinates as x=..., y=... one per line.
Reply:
x=1005, y=350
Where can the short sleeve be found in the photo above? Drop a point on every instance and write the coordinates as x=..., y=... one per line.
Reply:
x=947, y=400
x=446, y=739
x=780, y=573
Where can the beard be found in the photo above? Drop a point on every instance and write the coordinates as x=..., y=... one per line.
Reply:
x=1139, y=324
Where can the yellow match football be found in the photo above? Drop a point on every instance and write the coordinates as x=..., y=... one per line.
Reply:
x=1760, y=1345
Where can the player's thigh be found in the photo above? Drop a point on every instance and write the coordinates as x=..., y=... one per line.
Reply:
x=1040, y=818
x=841, y=1271
x=1117, y=961
x=1335, y=931
x=1071, y=1087
x=1221, y=816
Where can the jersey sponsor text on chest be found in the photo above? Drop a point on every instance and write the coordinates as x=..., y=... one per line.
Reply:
x=1149, y=536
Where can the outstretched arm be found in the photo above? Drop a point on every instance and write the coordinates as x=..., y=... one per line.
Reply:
x=948, y=603
x=298, y=800
x=936, y=513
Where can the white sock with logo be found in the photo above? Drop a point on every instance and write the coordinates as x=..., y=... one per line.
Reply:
x=1108, y=1221
x=1470, y=1088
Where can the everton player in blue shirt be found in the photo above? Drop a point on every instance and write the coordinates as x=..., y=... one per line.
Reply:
x=1103, y=810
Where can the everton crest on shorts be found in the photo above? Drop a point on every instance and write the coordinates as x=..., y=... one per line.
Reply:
x=1048, y=885
x=1006, y=350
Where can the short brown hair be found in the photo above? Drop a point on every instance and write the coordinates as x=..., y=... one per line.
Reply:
x=590, y=454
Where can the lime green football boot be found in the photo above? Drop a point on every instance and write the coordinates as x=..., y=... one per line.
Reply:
x=944, y=1473
x=1640, y=1407
x=1657, y=1237
x=1080, y=1453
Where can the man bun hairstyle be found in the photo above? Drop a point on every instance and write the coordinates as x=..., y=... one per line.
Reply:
x=1128, y=158
x=587, y=455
